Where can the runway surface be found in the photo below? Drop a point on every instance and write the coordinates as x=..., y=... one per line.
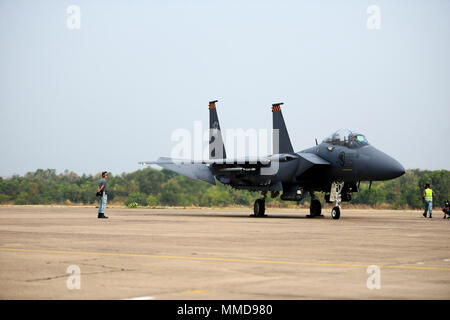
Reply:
x=221, y=254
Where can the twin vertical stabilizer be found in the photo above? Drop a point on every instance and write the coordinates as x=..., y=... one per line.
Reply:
x=281, y=141
x=216, y=146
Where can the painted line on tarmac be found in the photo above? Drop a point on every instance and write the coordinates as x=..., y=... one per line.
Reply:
x=314, y=264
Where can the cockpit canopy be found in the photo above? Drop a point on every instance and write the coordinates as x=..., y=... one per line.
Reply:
x=347, y=138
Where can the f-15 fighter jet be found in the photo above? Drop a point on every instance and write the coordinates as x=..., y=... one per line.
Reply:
x=336, y=166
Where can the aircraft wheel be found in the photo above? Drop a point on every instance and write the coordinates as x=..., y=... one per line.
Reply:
x=336, y=213
x=259, y=208
x=316, y=208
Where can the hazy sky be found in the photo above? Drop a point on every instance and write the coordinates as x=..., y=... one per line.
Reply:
x=110, y=94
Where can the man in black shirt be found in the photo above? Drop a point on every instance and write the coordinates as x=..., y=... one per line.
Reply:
x=104, y=196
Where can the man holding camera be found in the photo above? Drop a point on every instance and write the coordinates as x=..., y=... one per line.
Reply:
x=103, y=195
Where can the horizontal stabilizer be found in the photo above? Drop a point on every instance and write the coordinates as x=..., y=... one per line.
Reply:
x=191, y=170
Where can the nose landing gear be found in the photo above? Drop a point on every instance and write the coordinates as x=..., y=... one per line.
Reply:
x=336, y=213
x=335, y=195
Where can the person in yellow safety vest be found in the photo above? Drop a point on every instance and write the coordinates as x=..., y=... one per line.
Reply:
x=427, y=196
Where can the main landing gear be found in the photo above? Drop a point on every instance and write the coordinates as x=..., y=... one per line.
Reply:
x=259, y=208
x=315, y=209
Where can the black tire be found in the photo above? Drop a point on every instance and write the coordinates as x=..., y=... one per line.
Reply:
x=336, y=213
x=259, y=208
x=315, y=208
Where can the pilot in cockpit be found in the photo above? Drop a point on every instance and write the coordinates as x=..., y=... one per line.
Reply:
x=347, y=138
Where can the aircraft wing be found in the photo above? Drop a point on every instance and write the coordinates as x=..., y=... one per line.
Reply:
x=248, y=160
x=200, y=169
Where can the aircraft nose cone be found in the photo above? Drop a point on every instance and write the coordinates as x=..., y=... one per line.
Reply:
x=393, y=169
x=383, y=167
x=389, y=168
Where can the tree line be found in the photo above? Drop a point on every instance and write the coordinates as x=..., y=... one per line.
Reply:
x=151, y=187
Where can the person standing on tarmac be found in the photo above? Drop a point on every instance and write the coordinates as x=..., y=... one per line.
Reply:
x=427, y=196
x=103, y=195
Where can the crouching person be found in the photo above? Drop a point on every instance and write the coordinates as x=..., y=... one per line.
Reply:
x=446, y=209
x=103, y=195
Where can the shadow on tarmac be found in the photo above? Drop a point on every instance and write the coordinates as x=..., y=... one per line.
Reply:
x=222, y=215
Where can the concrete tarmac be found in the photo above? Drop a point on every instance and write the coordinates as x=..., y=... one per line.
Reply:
x=222, y=254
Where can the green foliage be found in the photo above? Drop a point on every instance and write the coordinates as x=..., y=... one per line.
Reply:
x=150, y=187
x=4, y=198
x=132, y=205
x=405, y=191
x=22, y=198
x=152, y=201
x=136, y=197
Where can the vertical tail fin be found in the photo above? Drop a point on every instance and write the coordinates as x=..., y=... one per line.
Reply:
x=216, y=146
x=284, y=143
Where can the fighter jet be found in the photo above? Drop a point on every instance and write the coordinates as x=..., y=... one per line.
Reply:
x=335, y=167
